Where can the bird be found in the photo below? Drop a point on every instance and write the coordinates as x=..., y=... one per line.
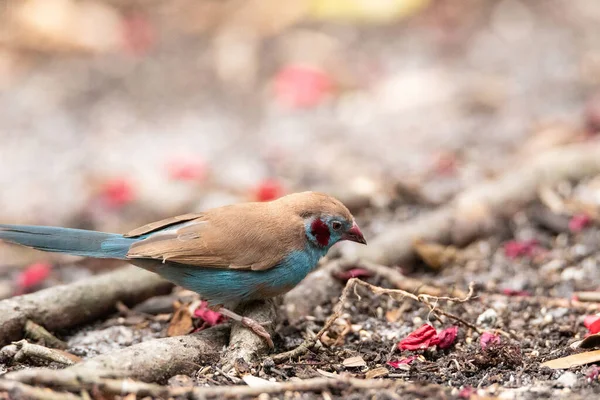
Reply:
x=229, y=255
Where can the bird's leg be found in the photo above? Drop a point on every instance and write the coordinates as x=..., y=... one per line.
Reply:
x=249, y=323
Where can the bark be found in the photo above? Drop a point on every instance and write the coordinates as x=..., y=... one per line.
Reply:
x=77, y=303
x=151, y=361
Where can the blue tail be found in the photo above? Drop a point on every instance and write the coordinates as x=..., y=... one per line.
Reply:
x=77, y=242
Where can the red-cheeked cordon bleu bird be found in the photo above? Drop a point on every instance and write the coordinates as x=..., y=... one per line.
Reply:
x=228, y=255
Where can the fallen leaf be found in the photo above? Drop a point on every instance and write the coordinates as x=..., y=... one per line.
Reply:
x=402, y=361
x=354, y=362
x=487, y=339
x=589, y=342
x=393, y=315
x=210, y=317
x=573, y=360
x=181, y=323
x=579, y=222
x=422, y=338
x=447, y=337
x=327, y=374
x=435, y=255
x=377, y=372
x=345, y=276
x=256, y=382
x=32, y=276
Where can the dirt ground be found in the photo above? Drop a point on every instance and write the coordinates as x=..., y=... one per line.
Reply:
x=416, y=112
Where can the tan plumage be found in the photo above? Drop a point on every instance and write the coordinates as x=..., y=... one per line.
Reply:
x=241, y=236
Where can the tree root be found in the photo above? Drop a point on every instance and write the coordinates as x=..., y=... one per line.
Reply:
x=245, y=344
x=151, y=361
x=77, y=303
x=73, y=383
x=18, y=390
x=319, y=287
x=477, y=210
x=34, y=351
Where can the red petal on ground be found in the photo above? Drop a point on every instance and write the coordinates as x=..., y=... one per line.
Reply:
x=190, y=170
x=422, y=338
x=209, y=316
x=518, y=248
x=447, y=337
x=344, y=276
x=488, y=339
x=298, y=86
x=593, y=372
x=268, y=190
x=512, y=292
x=579, y=222
x=466, y=392
x=402, y=361
x=139, y=35
x=592, y=322
x=33, y=275
x=117, y=192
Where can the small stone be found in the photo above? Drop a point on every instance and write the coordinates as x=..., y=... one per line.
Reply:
x=268, y=363
x=567, y=380
x=558, y=312
x=487, y=318
x=181, y=381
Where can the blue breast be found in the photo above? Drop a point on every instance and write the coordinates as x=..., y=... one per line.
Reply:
x=223, y=286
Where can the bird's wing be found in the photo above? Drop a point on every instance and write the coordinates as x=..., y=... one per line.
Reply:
x=235, y=237
x=163, y=223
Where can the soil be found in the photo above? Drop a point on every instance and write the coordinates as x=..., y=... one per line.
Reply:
x=434, y=104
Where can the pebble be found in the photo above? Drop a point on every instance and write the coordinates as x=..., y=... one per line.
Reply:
x=567, y=380
x=487, y=318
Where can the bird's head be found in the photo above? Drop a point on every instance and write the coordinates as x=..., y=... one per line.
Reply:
x=326, y=220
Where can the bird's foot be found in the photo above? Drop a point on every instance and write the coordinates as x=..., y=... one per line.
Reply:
x=258, y=329
x=249, y=323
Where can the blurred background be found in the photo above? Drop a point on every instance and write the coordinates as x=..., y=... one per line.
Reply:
x=113, y=114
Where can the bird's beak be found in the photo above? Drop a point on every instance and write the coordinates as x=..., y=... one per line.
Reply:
x=354, y=235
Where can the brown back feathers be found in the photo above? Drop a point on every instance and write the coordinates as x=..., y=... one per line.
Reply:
x=253, y=236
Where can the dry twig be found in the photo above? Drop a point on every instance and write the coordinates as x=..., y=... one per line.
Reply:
x=29, y=350
x=18, y=390
x=425, y=299
x=40, y=334
x=153, y=360
x=77, y=303
x=74, y=383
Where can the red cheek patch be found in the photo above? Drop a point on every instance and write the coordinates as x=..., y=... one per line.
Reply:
x=320, y=231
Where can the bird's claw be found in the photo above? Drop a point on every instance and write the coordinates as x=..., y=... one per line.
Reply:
x=259, y=330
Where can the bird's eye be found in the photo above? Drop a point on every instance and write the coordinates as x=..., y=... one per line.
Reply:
x=336, y=225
